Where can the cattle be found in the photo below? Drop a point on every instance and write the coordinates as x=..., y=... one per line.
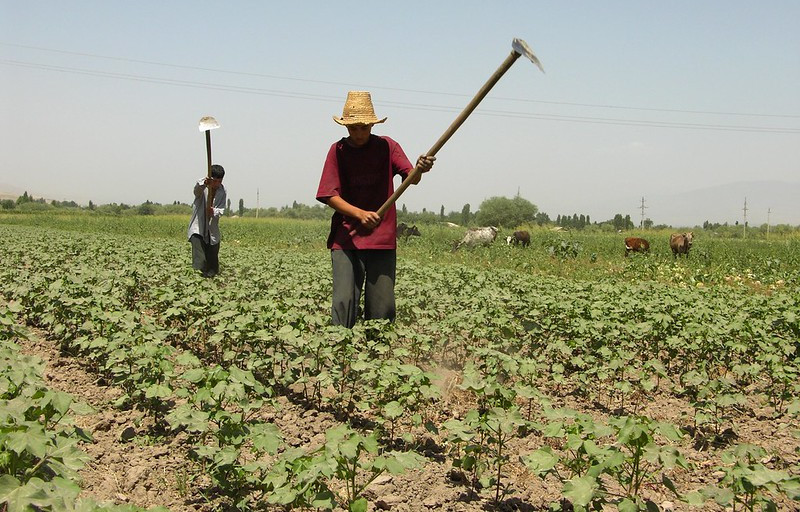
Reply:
x=477, y=236
x=519, y=237
x=680, y=243
x=633, y=244
x=405, y=231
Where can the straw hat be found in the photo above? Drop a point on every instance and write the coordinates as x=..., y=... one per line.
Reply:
x=358, y=110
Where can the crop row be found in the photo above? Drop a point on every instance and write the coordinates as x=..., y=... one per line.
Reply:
x=39, y=444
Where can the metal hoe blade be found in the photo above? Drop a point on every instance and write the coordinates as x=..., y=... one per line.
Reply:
x=208, y=123
x=521, y=47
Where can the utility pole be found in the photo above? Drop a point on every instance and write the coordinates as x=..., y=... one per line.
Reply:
x=769, y=210
x=257, y=198
x=744, y=226
x=643, y=208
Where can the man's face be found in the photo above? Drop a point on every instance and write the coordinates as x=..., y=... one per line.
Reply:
x=214, y=183
x=359, y=133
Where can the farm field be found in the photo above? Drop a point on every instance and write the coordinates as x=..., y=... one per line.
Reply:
x=562, y=376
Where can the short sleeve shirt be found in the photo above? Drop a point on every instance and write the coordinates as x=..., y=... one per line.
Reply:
x=363, y=176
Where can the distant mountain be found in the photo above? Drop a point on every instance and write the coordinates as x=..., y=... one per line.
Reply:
x=725, y=203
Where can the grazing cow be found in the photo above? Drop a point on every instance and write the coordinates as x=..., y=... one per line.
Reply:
x=636, y=245
x=680, y=243
x=519, y=237
x=478, y=236
x=405, y=231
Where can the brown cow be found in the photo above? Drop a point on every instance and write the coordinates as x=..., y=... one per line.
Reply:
x=519, y=237
x=636, y=245
x=680, y=243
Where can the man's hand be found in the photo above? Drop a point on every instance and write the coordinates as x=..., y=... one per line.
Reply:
x=212, y=183
x=369, y=220
x=425, y=163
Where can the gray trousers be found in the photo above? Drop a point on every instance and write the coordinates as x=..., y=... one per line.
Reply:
x=351, y=268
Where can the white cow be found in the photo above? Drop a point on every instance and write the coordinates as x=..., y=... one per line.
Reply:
x=477, y=237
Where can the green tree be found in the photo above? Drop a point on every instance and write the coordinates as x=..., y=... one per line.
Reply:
x=146, y=208
x=502, y=211
x=465, y=215
x=542, y=218
x=241, y=207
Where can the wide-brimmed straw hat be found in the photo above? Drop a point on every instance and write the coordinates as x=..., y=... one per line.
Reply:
x=358, y=110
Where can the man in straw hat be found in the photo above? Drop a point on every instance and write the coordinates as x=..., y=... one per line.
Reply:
x=357, y=179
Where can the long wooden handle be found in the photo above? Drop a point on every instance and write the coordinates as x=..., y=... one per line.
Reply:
x=210, y=199
x=208, y=150
x=452, y=129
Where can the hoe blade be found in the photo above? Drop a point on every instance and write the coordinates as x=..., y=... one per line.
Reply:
x=521, y=47
x=208, y=123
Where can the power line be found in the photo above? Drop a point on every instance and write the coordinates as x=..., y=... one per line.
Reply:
x=402, y=105
x=419, y=91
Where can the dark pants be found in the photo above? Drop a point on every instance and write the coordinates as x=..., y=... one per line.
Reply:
x=205, y=257
x=350, y=269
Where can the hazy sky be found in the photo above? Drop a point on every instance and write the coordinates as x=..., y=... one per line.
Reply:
x=100, y=100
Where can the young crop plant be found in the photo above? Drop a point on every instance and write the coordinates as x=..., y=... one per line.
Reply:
x=526, y=386
x=10, y=327
x=624, y=450
x=400, y=390
x=783, y=374
x=714, y=402
x=640, y=459
x=227, y=440
x=582, y=460
x=747, y=483
x=39, y=453
x=300, y=479
x=479, y=445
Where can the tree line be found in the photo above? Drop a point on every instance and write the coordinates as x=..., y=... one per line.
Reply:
x=497, y=211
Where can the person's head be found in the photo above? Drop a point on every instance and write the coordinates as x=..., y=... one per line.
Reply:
x=359, y=133
x=358, y=116
x=217, y=172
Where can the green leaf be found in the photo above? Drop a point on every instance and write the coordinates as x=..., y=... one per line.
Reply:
x=8, y=485
x=194, y=375
x=157, y=391
x=324, y=500
x=581, y=490
x=393, y=410
x=359, y=505
x=266, y=437
x=59, y=400
x=541, y=461
x=34, y=441
x=349, y=448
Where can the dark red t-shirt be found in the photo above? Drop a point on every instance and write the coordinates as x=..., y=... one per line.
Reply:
x=363, y=176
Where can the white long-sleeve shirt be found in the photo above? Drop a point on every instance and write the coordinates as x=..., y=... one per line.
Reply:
x=198, y=221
